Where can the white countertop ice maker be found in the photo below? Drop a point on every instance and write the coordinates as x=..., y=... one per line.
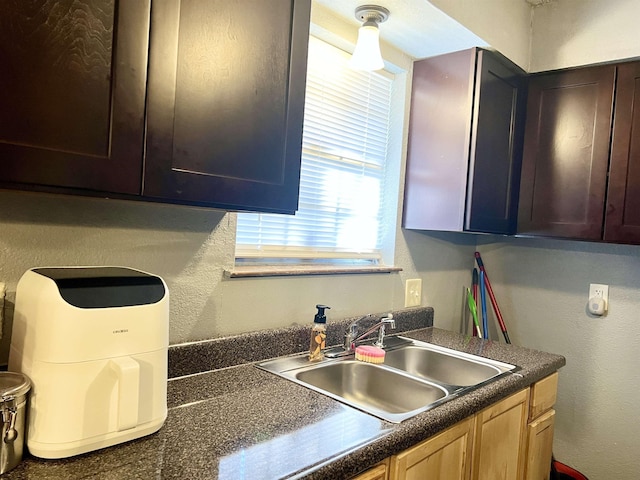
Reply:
x=93, y=341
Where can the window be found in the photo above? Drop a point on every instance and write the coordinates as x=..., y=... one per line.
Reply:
x=341, y=215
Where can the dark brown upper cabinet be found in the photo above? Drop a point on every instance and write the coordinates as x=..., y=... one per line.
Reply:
x=622, y=220
x=72, y=92
x=225, y=102
x=465, y=143
x=566, y=153
x=223, y=84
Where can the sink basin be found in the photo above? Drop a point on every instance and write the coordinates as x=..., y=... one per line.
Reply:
x=439, y=366
x=372, y=388
x=415, y=377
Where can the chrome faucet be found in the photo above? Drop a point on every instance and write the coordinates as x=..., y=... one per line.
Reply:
x=351, y=337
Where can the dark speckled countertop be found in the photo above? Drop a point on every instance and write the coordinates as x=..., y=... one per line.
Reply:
x=238, y=422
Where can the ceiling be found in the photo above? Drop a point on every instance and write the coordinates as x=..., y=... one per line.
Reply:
x=408, y=24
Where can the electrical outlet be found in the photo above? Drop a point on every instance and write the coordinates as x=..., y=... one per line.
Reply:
x=413, y=292
x=598, y=291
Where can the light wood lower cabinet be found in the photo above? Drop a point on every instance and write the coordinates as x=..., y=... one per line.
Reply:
x=487, y=446
x=446, y=456
x=540, y=445
x=379, y=472
x=540, y=428
x=509, y=440
x=500, y=447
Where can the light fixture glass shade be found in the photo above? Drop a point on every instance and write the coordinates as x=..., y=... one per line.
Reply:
x=366, y=55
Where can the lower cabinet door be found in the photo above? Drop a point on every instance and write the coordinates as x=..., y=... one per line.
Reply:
x=447, y=456
x=540, y=445
x=499, y=449
x=379, y=472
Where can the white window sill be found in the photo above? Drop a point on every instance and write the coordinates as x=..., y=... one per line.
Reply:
x=295, y=270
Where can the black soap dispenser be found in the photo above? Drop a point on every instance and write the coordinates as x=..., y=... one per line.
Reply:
x=318, y=334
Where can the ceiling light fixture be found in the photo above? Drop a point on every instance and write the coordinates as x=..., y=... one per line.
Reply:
x=366, y=55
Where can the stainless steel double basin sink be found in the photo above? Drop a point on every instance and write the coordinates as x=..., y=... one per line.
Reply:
x=415, y=377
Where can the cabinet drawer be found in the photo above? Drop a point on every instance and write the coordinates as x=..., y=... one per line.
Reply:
x=543, y=395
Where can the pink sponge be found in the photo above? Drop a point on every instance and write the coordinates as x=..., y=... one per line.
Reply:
x=370, y=354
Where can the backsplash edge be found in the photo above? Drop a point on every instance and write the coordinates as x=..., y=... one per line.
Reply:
x=197, y=357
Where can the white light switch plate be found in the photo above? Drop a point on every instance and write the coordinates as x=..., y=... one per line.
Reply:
x=413, y=292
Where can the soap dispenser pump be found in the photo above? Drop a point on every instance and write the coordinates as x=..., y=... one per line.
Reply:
x=318, y=334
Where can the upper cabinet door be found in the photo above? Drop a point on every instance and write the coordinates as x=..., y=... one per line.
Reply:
x=566, y=153
x=438, y=145
x=496, y=146
x=225, y=102
x=465, y=143
x=622, y=222
x=72, y=92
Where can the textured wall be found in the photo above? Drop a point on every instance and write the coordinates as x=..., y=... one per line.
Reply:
x=568, y=33
x=541, y=285
x=555, y=34
x=503, y=24
x=542, y=288
x=191, y=247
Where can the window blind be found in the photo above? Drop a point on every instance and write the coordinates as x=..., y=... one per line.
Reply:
x=344, y=150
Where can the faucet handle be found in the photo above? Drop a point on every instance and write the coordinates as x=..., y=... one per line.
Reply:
x=352, y=329
x=389, y=319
